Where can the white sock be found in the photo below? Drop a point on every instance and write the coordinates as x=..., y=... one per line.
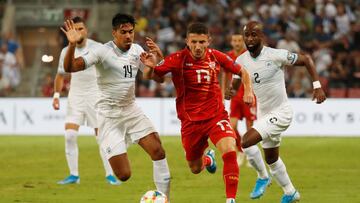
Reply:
x=162, y=176
x=230, y=200
x=72, y=151
x=278, y=171
x=254, y=157
x=105, y=161
x=107, y=166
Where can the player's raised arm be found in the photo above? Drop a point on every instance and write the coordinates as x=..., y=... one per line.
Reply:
x=149, y=60
x=318, y=93
x=155, y=49
x=72, y=64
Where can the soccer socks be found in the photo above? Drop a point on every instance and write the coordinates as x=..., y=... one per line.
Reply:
x=162, y=176
x=254, y=157
x=230, y=174
x=278, y=171
x=72, y=151
x=107, y=167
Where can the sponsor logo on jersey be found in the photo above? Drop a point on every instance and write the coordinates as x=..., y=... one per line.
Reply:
x=212, y=64
x=188, y=64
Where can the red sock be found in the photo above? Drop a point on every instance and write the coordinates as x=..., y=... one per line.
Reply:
x=230, y=174
x=238, y=141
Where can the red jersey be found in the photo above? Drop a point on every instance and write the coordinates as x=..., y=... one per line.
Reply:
x=240, y=93
x=198, y=94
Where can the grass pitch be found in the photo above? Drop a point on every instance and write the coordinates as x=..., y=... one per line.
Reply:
x=322, y=169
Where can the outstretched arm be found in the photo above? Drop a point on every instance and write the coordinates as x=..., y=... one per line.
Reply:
x=72, y=64
x=305, y=60
x=149, y=60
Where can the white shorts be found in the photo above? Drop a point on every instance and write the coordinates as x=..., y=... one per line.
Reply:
x=116, y=134
x=81, y=110
x=271, y=125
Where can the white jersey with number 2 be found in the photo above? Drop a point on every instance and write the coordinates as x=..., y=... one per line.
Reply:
x=267, y=75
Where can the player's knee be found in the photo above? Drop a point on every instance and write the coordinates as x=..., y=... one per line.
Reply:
x=195, y=169
x=158, y=153
x=271, y=160
x=123, y=176
x=245, y=143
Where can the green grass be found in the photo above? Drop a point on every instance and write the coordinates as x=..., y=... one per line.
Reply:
x=323, y=169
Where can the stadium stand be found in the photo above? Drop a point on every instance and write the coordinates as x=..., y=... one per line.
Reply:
x=328, y=30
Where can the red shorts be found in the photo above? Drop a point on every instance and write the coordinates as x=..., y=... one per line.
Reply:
x=195, y=134
x=239, y=109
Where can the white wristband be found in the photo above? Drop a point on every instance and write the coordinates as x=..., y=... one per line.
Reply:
x=316, y=84
x=56, y=95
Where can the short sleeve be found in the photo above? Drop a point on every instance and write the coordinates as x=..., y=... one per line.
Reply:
x=94, y=55
x=285, y=57
x=164, y=66
x=227, y=62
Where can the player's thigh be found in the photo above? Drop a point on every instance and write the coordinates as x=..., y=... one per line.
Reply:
x=272, y=125
x=194, y=140
x=226, y=144
x=136, y=125
x=220, y=128
x=111, y=138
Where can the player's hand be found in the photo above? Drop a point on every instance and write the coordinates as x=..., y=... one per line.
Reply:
x=249, y=98
x=154, y=48
x=72, y=35
x=229, y=93
x=56, y=104
x=148, y=59
x=319, y=95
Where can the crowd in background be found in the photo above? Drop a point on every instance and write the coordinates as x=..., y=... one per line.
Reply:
x=328, y=30
x=10, y=76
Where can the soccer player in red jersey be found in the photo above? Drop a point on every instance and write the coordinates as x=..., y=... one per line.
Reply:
x=238, y=108
x=199, y=104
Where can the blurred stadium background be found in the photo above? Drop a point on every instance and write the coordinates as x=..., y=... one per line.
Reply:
x=325, y=169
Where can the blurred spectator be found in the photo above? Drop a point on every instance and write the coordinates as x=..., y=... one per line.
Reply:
x=288, y=43
x=10, y=68
x=48, y=86
x=4, y=83
x=14, y=47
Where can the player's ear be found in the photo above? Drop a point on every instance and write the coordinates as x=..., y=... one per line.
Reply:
x=209, y=40
x=113, y=32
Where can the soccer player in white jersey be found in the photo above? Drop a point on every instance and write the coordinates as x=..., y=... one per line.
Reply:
x=266, y=67
x=81, y=106
x=121, y=121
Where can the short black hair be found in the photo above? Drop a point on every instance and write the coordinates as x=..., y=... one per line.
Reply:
x=121, y=18
x=197, y=28
x=78, y=19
